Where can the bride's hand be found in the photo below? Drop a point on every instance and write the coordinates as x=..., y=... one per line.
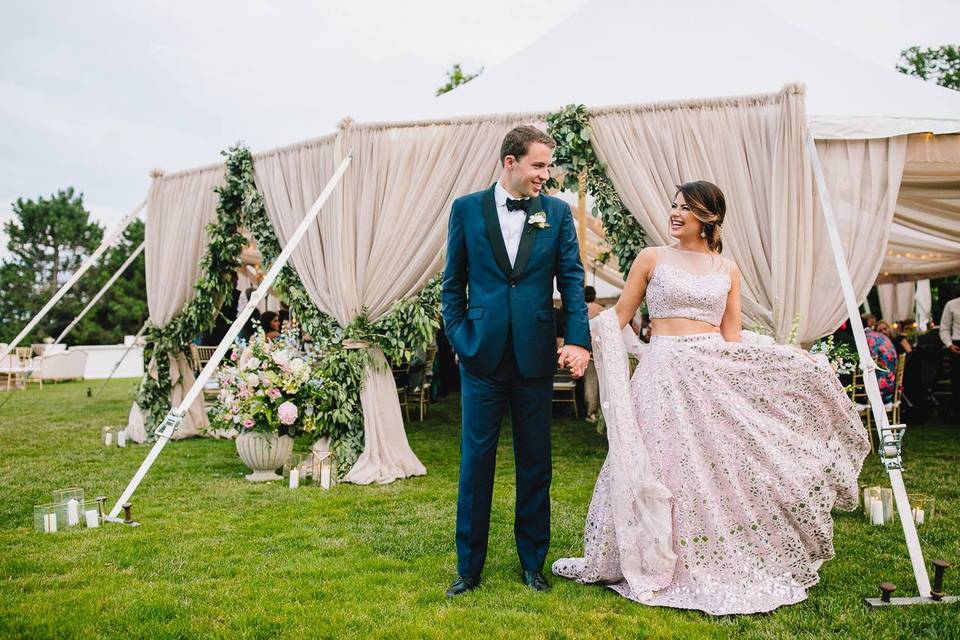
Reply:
x=575, y=358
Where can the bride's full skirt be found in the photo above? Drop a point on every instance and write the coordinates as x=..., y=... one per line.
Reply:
x=752, y=447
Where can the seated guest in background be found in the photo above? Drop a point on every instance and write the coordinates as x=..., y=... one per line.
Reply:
x=885, y=355
x=899, y=340
x=869, y=320
x=270, y=322
x=950, y=337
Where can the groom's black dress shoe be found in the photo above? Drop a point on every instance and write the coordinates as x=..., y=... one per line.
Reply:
x=535, y=580
x=463, y=584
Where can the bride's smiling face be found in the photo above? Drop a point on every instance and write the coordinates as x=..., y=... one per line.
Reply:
x=683, y=224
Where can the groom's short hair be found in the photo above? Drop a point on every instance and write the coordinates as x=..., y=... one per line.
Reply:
x=518, y=140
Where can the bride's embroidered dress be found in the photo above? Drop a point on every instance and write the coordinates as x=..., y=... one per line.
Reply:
x=725, y=458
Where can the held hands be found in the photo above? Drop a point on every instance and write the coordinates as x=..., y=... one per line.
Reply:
x=575, y=358
x=954, y=348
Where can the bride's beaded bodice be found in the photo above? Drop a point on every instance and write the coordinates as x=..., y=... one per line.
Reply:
x=688, y=285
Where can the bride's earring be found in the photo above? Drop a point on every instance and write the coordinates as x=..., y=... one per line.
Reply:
x=703, y=234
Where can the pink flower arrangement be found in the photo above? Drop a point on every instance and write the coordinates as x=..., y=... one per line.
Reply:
x=264, y=387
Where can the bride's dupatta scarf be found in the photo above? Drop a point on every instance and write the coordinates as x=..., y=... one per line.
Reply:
x=641, y=507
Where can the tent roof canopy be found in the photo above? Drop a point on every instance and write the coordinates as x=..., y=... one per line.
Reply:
x=625, y=52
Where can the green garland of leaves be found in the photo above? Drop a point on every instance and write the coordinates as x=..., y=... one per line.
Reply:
x=574, y=155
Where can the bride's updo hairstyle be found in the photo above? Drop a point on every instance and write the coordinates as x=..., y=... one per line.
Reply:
x=708, y=205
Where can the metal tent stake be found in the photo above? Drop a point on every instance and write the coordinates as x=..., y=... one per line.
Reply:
x=890, y=437
x=175, y=417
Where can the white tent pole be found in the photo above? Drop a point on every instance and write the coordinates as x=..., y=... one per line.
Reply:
x=889, y=436
x=175, y=417
x=103, y=290
x=109, y=240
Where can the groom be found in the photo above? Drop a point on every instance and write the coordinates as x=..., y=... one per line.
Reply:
x=505, y=247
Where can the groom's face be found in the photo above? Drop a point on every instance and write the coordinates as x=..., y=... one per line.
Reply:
x=528, y=175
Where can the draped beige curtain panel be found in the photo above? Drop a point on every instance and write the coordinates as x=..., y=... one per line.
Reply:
x=378, y=240
x=179, y=208
x=896, y=300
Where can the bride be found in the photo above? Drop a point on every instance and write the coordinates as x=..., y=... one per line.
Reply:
x=725, y=458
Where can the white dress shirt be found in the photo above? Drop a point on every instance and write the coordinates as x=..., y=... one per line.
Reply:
x=950, y=322
x=511, y=222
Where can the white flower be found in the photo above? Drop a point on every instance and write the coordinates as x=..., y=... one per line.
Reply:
x=297, y=365
x=253, y=380
x=539, y=219
x=252, y=363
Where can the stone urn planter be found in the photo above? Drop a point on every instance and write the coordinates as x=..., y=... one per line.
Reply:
x=264, y=453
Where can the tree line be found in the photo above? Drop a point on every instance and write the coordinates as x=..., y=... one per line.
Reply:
x=48, y=238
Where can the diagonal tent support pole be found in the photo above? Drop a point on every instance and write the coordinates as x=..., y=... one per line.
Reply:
x=890, y=436
x=103, y=290
x=136, y=338
x=109, y=240
x=175, y=417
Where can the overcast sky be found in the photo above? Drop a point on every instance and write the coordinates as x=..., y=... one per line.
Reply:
x=95, y=94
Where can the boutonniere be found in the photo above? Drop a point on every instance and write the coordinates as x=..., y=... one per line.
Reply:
x=539, y=219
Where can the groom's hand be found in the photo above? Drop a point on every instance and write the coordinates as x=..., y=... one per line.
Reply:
x=575, y=358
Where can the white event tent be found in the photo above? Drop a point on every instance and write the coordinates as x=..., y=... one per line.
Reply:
x=878, y=133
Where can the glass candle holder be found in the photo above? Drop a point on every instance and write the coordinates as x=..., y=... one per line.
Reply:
x=878, y=505
x=108, y=436
x=121, y=437
x=308, y=470
x=922, y=507
x=292, y=472
x=70, y=504
x=45, y=518
x=327, y=471
x=91, y=514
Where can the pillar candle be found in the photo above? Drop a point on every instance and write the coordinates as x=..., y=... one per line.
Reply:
x=121, y=438
x=294, y=478
x=876, y=511
x=108, y=438
x=73, y=512
x=93, y=518
x=918, y=515
x=50, y=523
x=325, y=475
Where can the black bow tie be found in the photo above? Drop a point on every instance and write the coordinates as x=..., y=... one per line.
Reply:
x=517, y=205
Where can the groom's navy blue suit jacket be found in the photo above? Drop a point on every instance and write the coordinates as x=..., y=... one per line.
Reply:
x=484, y=297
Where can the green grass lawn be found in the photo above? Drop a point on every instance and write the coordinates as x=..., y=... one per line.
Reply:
x=217, y=556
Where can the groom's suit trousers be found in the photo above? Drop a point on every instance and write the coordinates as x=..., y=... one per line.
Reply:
x=486, y=399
